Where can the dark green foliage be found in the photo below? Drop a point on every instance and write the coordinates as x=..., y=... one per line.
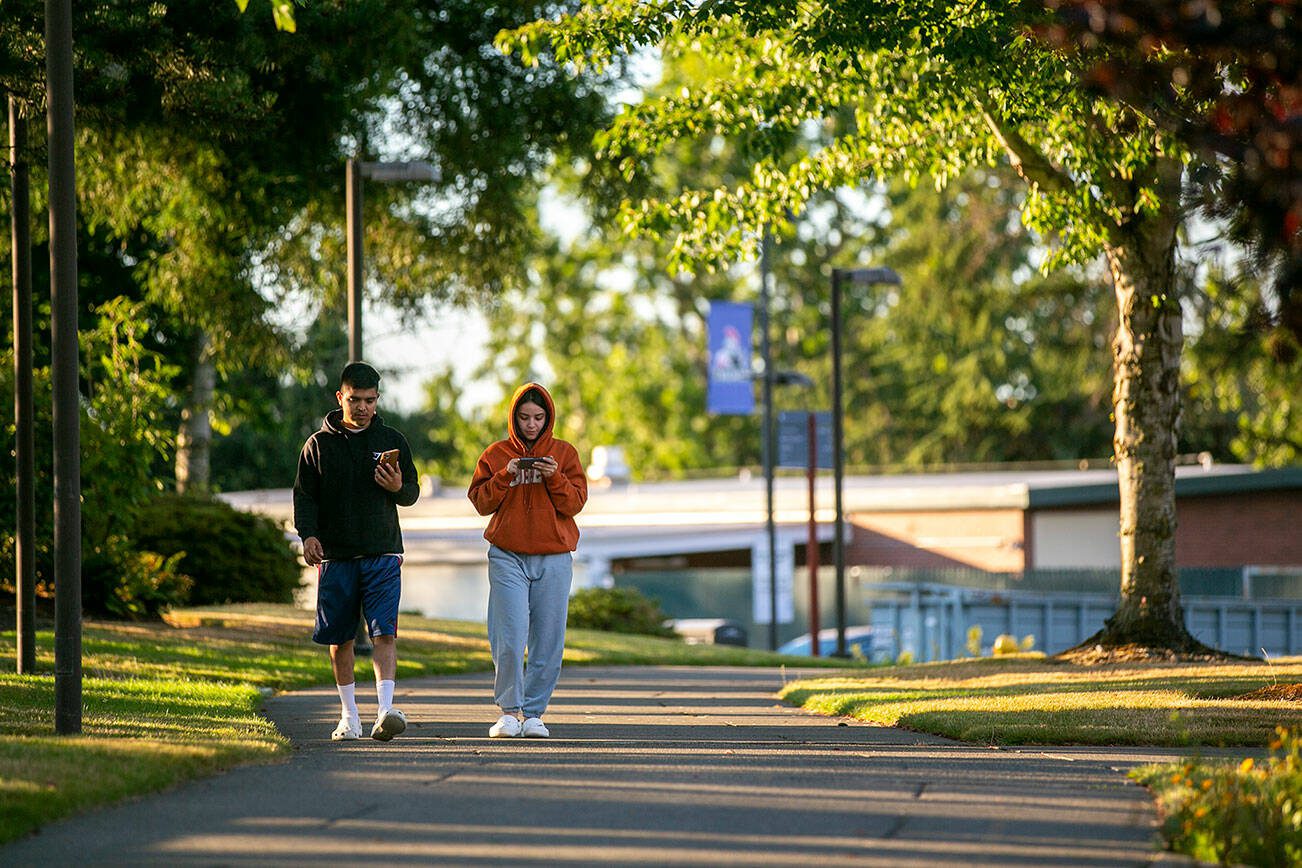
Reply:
x=232, y=556
x=617, y=610
x=121, y=583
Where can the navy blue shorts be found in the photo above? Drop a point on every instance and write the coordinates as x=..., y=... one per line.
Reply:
x=373, y=583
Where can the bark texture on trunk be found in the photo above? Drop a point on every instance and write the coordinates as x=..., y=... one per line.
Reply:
x=1146, y=405
x=194, y=440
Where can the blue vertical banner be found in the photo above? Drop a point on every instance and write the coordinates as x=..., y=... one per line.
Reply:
x=730, y=388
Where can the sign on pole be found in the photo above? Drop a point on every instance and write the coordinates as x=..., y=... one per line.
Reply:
x=793, y=438
x=730, y=390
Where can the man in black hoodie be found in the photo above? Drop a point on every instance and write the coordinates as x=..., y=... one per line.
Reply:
x=346, y=497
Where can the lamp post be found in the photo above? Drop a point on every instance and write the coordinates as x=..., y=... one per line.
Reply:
x=354, y=172
x=840, y=276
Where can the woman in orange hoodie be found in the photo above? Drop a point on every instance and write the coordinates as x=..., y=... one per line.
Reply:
x=532, y=485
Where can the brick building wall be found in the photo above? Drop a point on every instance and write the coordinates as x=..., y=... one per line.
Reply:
x=986, y=539
x=1262, y=528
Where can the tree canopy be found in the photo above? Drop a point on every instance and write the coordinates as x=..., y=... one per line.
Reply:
x=930, y=89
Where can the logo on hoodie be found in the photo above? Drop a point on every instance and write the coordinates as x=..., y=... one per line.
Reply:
x=526, y=476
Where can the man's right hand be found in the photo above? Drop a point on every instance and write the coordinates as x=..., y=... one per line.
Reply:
x=312, y=551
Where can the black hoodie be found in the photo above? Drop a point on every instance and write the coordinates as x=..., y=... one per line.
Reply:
x=336, y=498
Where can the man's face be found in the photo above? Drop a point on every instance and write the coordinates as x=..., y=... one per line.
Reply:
x=358, y=405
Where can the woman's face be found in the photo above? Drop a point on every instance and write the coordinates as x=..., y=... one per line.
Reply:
x=529, y=420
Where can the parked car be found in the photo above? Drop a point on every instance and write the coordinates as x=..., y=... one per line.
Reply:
x=874, y=644
x=709, y=631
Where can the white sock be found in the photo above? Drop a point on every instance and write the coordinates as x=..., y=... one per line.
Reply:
x=384, y=693
x=348, y=699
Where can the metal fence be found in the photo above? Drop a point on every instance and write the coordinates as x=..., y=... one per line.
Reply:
x=928, y=613
x=932, y=622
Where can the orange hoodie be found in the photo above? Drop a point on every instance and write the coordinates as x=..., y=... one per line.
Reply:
x=532, y=514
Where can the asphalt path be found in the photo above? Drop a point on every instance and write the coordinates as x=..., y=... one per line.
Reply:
x=645, y=766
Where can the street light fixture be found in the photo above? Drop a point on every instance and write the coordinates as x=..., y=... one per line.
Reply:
x=354, y=172
x=841, y=276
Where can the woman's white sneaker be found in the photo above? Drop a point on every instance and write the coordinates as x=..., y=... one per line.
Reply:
x=507, y=726
x=533, y=728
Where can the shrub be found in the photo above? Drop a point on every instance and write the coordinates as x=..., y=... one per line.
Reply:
x=1245, y=813
x=617, y=610
x=121, y=583
x=233, y=556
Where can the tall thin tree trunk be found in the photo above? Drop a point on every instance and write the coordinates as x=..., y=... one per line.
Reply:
x=194, y=440
x=1146, y=405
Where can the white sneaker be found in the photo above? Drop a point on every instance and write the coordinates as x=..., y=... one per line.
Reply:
x=533, y=728
x=507, y=726
x=347, y=730
x=389, y=724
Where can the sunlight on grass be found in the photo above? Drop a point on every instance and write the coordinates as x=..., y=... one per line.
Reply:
x=171, y=701
x=1024, y=701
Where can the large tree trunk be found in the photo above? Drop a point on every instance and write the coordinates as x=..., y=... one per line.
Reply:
x=194, y=440
x=1146, y=405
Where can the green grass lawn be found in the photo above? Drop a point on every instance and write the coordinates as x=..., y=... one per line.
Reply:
x=1028, y=699
x=164, y=703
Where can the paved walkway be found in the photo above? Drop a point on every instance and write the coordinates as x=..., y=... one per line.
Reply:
x=662, y=766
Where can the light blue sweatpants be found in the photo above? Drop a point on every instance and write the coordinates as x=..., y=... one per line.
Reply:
x=528, y=599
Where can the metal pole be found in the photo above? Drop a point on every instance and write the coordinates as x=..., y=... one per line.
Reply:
x=24, y=460
x=356, y=284
x=766, y=442
x=64, y=361
x=811, y=547
x=838, y=464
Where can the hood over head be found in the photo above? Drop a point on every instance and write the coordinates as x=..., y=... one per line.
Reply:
x=545, y=436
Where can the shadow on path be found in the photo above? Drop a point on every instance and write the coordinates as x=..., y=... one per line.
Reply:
x=661, y=766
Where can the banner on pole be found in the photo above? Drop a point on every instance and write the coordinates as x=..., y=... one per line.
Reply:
x=730, y=389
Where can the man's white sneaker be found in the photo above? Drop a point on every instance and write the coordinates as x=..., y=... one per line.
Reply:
x=347, y=730
x=389, y=724
x=533, y=728
x=507, y=726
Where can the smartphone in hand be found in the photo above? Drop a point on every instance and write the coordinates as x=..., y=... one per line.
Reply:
x=389, y=457
x=526, y=463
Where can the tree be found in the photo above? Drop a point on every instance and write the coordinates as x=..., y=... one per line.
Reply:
x=975, y=359
x=1248, y=411
x=212, y=148
x=1226, y=78
x=933, y=88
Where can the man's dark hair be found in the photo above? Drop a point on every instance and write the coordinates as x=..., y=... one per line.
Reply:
x=359, y=375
